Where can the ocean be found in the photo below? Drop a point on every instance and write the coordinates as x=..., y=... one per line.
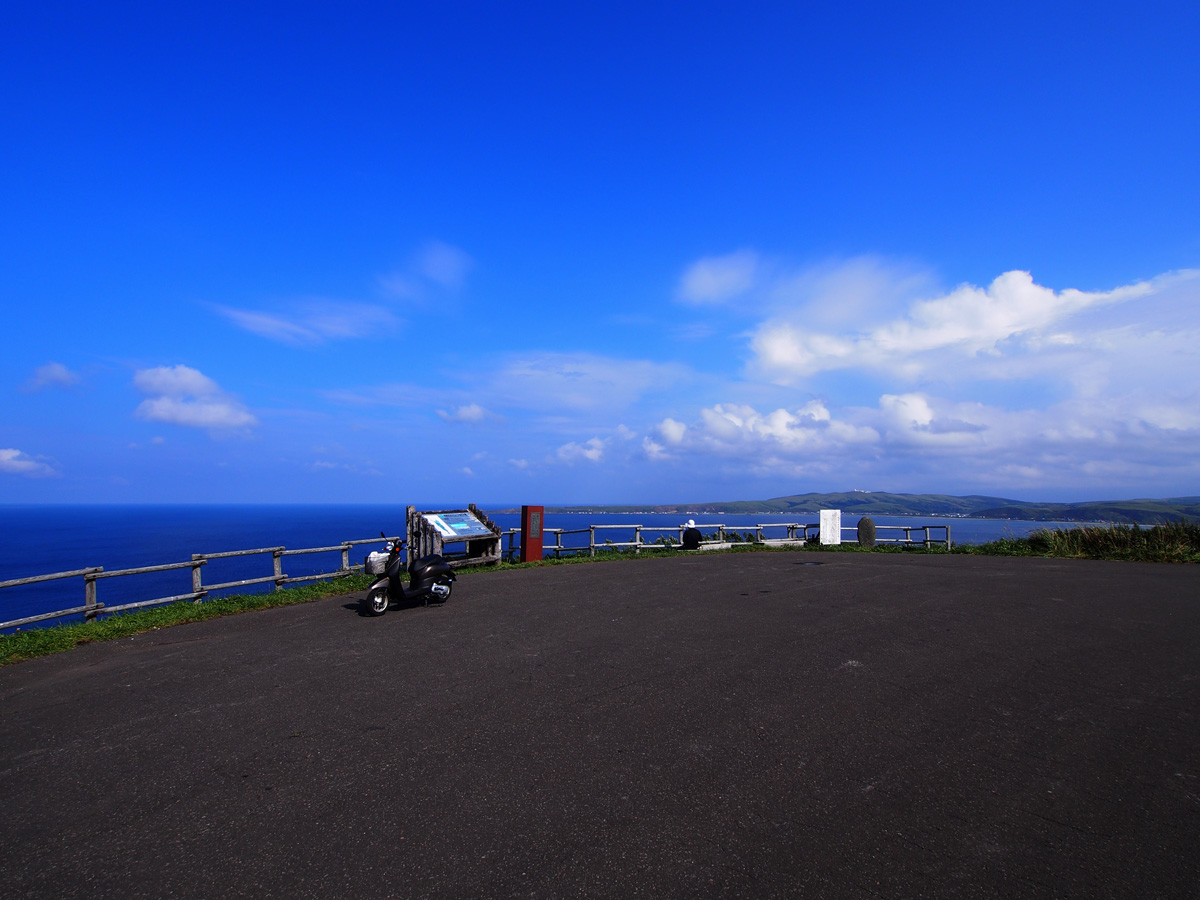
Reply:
x=40, y=540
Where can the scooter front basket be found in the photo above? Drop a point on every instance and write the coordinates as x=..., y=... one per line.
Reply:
x=376, y=563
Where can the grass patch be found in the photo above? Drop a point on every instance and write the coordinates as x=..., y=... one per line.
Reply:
x=21, y=645
x=1172, y=542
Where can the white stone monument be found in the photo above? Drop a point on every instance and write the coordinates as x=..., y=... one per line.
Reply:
x=831, y=526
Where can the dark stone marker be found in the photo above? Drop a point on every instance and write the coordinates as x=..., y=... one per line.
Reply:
x=866, y=532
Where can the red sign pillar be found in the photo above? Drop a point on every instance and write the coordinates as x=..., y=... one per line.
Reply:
x=531, y=533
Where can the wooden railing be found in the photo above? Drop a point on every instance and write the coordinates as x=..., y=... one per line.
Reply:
x=795, y=533
x=927, y=540
x=92, y=606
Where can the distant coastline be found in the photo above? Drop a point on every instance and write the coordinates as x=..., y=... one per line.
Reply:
x=881, y=503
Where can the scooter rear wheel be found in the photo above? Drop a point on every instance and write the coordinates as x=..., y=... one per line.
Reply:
x=376, y=601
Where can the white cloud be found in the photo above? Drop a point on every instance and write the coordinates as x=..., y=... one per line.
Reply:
x=845, y=294
x=971, y=331
x=716, y=279
x=313, y=322
x=181, y=395
x=437, y=265
x=582, y=381
x=1105, y=444
x=398, y=394
x=551, y=386
x=672, y=431
x=471, y=413
x=14, y=462
x=732, y=427
x=52, y=374
x=592, y=451
x=175, y=381
x=445, y=265
x=653, y=449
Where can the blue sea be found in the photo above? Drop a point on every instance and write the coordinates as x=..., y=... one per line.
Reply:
x=40, y=540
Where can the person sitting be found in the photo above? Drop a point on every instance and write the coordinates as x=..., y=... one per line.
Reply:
x=691, y=536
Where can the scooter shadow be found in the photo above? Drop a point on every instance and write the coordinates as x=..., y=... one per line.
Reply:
x=356, y=605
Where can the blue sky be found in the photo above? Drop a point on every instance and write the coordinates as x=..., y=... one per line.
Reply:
x=598, y=253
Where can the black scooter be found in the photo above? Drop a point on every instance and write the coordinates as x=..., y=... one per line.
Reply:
x=429, y=578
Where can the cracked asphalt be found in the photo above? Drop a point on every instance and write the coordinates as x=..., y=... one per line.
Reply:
x=702, y=726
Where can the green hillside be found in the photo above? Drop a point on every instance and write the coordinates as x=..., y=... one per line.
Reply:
x=881, y=503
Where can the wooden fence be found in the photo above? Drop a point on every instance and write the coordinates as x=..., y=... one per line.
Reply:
x=92, y=606
x=795, y=534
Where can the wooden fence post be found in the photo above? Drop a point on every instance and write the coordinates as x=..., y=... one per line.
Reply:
x=197, y=588
x=89, y=597
x=277, y=556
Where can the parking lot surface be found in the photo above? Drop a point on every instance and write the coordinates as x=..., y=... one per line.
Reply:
x=787, y=724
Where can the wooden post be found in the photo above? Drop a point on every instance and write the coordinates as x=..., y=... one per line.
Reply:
x=591, y=540
x=345, y=557
x=277, y=557
x=197, y=562
x=89, y=597
x=637, y=540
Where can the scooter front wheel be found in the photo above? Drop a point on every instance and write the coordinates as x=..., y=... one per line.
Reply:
x=376, y=601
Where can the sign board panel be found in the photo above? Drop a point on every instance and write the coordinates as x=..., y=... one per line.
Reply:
x=831, y=526
x=457, y=526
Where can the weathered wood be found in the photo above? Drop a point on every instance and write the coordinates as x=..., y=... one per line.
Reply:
x=292, y=579
x=89, y=597
x=425, y=539
x=144, y=569
x=17, y=582
x=311, y=550
x=243, y=583
x=29, y=620
x=158, y=602
x=373, y=540
x=228, y=553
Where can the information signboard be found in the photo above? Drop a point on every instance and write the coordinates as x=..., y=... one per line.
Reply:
x=458, y=526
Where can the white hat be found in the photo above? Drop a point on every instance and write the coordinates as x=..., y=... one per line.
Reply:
x=691, y=523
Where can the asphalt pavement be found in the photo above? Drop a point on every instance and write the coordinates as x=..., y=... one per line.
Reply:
x=789, y=724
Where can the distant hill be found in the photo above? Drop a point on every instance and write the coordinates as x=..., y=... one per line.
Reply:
x=880, y=503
